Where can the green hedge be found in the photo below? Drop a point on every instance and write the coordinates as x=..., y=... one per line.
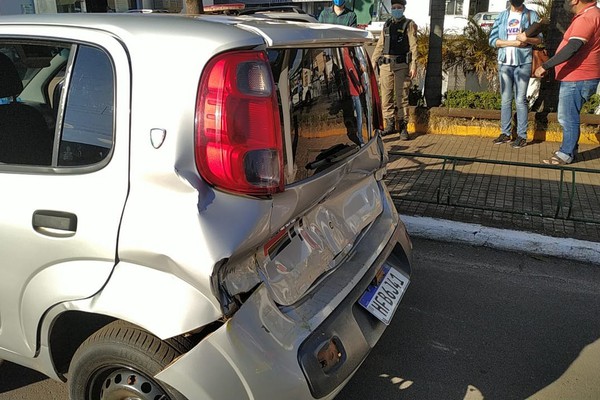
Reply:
x=493, y=101
x=591, y=105
x=468, y=99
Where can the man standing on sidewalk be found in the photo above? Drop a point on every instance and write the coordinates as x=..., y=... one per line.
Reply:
x=338, y=14
x=396, y=56
x=577, y=67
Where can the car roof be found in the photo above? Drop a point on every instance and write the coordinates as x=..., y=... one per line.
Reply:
x=274, y=32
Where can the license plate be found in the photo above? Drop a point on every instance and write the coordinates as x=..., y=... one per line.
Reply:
x=383, y=299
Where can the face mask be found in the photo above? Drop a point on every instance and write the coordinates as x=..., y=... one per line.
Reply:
x=339, y=3
x=397, y=14
x=567, y=6
x=517, y=3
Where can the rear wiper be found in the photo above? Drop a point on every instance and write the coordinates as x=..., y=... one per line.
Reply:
x=333, y=155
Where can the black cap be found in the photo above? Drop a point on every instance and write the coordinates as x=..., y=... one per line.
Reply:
x=401, y=2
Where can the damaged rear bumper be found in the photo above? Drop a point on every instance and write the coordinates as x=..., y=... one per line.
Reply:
x=265, y=351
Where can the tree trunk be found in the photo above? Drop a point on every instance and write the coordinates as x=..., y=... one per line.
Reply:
x=547, y=100
x=433, y=73
x=194, y=7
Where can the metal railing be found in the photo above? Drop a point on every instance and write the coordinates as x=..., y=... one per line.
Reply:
x=559, y=192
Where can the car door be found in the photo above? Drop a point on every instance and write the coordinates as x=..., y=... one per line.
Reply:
x=59, y=218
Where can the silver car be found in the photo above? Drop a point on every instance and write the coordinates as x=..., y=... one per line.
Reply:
x=174, y=225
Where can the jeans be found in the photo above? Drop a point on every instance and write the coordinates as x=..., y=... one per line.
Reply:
x=514, y=80
x=571, y=98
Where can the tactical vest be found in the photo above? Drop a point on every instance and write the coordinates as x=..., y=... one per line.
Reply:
x=396, y=38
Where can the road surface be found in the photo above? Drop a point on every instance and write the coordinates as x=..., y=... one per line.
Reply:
x=475, y=323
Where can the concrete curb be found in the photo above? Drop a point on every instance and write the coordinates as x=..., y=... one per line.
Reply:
x=502, y=239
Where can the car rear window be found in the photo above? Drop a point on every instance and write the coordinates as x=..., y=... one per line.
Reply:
x=325, y=101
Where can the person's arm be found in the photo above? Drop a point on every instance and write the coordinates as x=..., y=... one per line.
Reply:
x=510, y=43
x=494, y=32
x=562, y=56
x=523, y=38
x=412, y=41
x=378, y=51
x=532, y=35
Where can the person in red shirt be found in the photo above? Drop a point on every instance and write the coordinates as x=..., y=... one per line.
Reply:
x=577, y=67
x=356, y=90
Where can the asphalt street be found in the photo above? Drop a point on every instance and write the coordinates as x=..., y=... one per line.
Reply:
x=483, y=323
x=475, y=323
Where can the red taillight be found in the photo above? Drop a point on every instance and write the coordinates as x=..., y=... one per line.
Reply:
x=238, y=132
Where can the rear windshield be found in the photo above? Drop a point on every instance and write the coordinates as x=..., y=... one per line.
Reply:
x=325, y=101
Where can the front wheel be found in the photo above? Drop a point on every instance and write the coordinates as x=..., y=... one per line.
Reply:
x=119, y=361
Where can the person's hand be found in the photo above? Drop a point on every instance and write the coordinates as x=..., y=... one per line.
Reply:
x=522, y=44
x=540, y=72
x=412, y=73
x=521, y=37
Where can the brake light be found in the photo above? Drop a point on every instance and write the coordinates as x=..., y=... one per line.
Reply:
x=238, y=133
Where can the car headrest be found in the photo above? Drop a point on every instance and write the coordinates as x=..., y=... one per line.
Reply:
x=10, y=82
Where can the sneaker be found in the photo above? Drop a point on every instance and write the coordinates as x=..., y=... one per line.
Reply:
x=502, y=139
x=519, y=142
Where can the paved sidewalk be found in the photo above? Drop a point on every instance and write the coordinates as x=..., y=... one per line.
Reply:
x=523, y=198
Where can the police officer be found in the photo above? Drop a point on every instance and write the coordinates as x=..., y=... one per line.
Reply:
x=396, y=56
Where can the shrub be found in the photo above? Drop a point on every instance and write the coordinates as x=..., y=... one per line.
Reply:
x=476, y=100
x=591, y=105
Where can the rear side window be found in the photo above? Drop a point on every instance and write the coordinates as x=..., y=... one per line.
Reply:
x=88, y=122
x=328, y=100
x=48, y=117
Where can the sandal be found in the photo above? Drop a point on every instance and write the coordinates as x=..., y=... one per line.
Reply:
x=555, y=160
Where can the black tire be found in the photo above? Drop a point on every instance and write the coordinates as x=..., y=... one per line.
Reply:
x=119, y=362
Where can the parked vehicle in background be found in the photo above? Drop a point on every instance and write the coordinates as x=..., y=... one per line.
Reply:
x=485, y=19
x=146, y=11
x=185, y=228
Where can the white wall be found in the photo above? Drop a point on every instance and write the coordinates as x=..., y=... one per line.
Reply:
x=419, y=12
x=45, y=6
x=498, y=5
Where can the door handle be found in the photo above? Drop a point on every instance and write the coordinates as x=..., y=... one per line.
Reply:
x=49, y=221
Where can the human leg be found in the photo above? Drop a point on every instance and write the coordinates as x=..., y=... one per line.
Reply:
x=386, y=83
x=401, y=94
x=572, y=96
x=522, y=74
x=358, y=111
x=401, y=90
x=506, y=76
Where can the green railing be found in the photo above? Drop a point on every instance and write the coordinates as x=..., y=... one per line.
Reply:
x=559, y=192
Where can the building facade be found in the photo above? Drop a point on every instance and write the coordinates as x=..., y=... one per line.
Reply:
x=12, y=7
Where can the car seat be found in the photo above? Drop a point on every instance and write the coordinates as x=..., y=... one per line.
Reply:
x=24, y=134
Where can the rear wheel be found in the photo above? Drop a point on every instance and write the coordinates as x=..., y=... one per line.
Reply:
x=119, y=361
